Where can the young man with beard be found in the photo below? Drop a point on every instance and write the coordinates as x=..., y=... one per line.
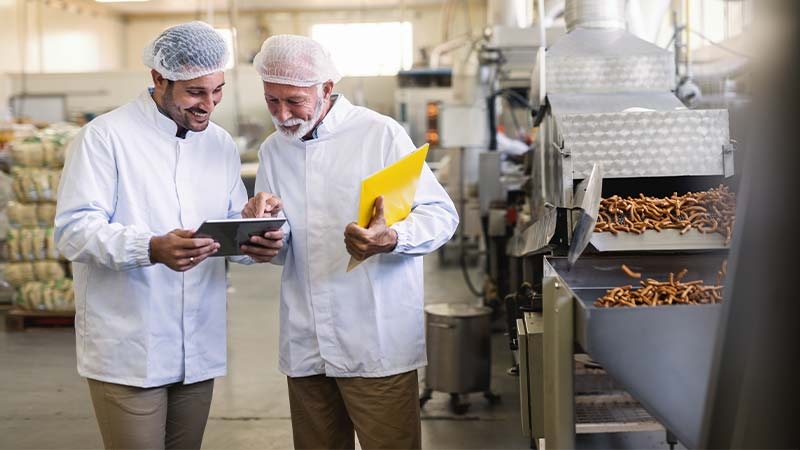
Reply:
x=350, y=342
x=150, y=303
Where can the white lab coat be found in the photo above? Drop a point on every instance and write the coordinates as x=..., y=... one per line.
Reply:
x=368, y=322
x=128, y=178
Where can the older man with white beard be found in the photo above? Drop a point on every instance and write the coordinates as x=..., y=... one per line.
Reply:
x=294, y=126
x=350, y=342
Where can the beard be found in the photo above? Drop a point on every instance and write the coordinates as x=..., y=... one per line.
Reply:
x=184, y=118
x=305, y=126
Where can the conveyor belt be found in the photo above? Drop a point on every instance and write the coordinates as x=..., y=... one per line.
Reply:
x=612, y=414
x=661, y=355
x=601, y=406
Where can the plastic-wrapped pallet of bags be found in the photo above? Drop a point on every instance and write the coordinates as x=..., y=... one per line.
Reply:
x=24, y=184
x=6, y=189
x=17, y=274
x=35, y=185
x=28, y=248
x=51, y=252
x=55, y=141
x=48, y=270
x=12, y=245
x=45, y=192
x=6, y=290
x=58, y=295
x=35, y=268
x=39, y=236
x=6, y=195
x=54, y=296
x=53, y=153
x=22, y=215
x=30, y=296
x=27, y=152
x=45, y=215
x=55, y=177
x=5, y=225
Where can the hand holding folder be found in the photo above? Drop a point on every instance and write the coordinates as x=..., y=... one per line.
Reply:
x=397, y=184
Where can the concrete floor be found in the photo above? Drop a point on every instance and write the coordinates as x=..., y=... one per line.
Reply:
x=44, y=404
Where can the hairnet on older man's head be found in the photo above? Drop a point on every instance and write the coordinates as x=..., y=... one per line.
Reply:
x=186, y=51
x=295, y=60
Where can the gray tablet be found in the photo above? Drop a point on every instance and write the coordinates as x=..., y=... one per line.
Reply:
x=231, y=233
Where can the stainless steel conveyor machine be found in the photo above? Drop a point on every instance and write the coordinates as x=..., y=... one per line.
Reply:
x=661, y=355
x=610, y=111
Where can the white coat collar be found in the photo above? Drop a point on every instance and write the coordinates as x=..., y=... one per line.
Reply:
x=336, y=115
x=150, y=109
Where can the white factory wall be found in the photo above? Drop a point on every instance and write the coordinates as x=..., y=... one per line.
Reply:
x=431, y=25
x=116, y=44
x=40, y=37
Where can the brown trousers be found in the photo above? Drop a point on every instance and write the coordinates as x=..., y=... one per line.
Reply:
x=384, y=412
x=166, y=417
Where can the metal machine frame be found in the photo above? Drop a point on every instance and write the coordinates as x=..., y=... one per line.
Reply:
x=670, y=383
x=609, y=103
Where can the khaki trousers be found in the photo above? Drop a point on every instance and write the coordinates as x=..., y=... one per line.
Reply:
x=384, y=412
x=167, y=417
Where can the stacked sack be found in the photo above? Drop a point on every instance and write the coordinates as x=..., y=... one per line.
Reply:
x=34, y=266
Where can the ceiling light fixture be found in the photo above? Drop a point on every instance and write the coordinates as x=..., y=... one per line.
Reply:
x=121, y=1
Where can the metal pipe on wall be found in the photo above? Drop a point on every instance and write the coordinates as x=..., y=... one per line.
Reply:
x=609, y=14
x=541, y=53
x=687, y=8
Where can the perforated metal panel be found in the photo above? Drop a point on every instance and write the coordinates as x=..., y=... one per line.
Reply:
x=590, y=61
x=600, y=74
x=643, y=144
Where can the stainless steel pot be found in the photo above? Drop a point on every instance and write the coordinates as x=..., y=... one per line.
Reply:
x=459, y=348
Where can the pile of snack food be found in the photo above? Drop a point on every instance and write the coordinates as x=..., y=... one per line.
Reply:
x=711, y=211
x=673, y=291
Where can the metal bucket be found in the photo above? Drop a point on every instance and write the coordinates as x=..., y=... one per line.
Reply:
x=459, y=348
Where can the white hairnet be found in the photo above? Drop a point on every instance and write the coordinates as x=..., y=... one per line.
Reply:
x=295, y=60
x=186, y=51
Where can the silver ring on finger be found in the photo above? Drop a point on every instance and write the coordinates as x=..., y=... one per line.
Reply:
x=191, y=259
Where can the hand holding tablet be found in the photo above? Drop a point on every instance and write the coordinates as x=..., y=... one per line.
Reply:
x=232, y=233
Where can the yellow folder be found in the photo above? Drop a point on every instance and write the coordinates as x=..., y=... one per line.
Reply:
x=397, y=184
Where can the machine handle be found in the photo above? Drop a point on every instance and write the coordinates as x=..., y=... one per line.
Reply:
x=441, y=325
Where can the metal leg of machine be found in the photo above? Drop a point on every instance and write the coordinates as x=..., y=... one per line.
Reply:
x=672, y=440
x=531, y=379
x=558, y=364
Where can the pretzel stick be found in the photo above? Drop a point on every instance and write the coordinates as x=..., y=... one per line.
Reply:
x=630, y=272
x=655, y=293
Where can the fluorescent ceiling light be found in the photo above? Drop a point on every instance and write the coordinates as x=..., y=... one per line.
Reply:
x=121, y=1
